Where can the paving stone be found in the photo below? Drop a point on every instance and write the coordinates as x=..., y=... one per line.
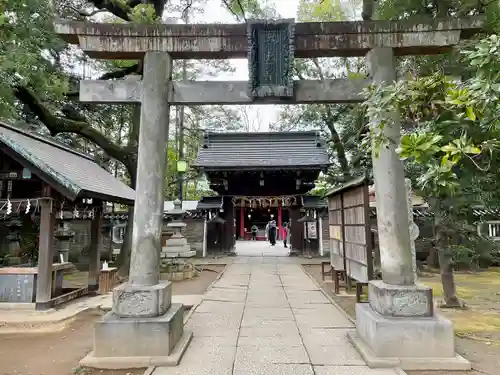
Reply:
x=220, y=307
x=335, y=355
x=202, y=360
x=299, y=287
x=352, y=370
x=312, y=296
x=313, y=338
x=271, y=354
x=212, y=341
x=319, y=319
x=267, y=296
x=265, y=321
x=231, y=285
x=273, y=313
x=270, y=341
x=268, y=278
x=268, y=330
x=289, y=269
x=271, y=369
x=229, y=295
x=323, y=308
x=208, y=324
x=270, y=320
x=268, y=302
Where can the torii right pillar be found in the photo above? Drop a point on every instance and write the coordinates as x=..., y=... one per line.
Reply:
x=398, y=327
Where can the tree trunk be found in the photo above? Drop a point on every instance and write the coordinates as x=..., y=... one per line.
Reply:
x=445, y=260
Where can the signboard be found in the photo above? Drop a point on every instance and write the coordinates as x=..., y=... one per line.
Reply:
x=270, y=58
x=312, y=233
x=350, y=235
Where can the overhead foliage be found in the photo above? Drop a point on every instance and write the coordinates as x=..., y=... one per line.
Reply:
x=453, y=125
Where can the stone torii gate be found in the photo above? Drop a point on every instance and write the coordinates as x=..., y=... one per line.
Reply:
x=398, y=327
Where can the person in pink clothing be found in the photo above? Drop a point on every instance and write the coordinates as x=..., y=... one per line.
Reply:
x=285, y=234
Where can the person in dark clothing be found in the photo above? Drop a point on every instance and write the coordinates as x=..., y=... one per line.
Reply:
x=272, y=233
x=255, y=229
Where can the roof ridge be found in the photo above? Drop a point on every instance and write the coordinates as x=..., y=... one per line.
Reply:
x=45, y=140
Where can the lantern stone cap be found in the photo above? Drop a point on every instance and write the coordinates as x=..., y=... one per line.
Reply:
x=61, y=234
x=176, y=224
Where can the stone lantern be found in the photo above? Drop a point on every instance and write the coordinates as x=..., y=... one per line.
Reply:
x=63, y=236
x=13, y=240
x=177, y=245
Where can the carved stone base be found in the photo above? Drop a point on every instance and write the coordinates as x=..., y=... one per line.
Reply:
x=132, y=301
x=399, y=300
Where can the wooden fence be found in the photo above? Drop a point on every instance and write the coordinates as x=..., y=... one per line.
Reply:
x=351, y=248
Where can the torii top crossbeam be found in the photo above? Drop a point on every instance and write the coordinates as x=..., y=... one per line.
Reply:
x=225, y=41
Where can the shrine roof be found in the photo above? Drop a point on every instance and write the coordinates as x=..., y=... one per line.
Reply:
x=262, y=151
x=311, y=201
x=209, y=203
x=73, y=174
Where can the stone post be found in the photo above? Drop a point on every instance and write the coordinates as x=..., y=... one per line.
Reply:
x=390, y=189
x=144, y=327
x=398, y=327
x=153, y=139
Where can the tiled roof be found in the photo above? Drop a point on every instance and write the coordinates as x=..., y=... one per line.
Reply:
x=73, y=174
x=310, y=201
x=262, y=150
x=425, y=212
x=210, y=203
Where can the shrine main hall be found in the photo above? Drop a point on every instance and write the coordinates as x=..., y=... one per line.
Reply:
x=261, y=177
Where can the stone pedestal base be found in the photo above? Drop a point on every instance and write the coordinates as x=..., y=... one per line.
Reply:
x=177, y=253
x=142, y=301
x=139, y=342
x=412, y=343
x=400, y=300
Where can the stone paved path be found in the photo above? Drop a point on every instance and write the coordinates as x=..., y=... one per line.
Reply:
x=268, y=319
x=261, y=249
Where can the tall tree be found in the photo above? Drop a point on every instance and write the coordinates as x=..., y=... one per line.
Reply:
x=38, y=75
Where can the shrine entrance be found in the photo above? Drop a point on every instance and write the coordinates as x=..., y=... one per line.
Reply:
x=258, y=212
x=269, y=167
x=262, y=177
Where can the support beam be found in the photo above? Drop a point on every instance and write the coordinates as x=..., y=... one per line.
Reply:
x=45, y=254
x=228, y=41
x=232, y=92
x=94, y=251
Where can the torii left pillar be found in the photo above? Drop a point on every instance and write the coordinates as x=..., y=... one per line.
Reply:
x=144, y=328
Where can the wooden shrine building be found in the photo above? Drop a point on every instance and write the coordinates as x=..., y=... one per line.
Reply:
x=42, y=183
x=261, y=177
